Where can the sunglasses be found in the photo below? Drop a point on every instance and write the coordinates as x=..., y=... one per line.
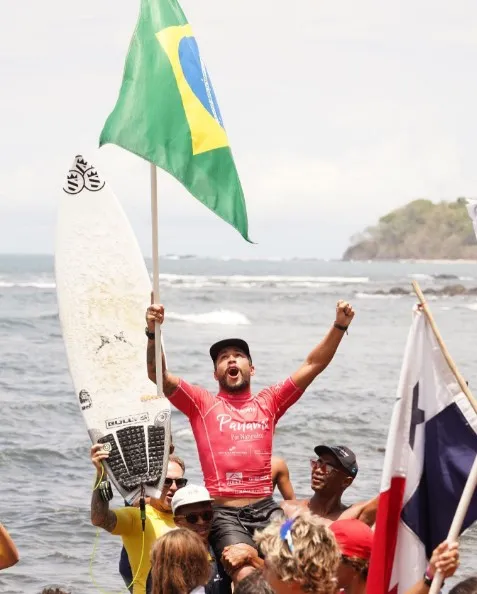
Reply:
x=193, y=518
x=320, y=463
x=180, y=482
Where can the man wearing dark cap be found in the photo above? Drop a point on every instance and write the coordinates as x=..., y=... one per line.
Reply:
x=234, y=430
x=332, y=472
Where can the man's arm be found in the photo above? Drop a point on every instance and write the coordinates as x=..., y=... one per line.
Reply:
x=281, y=478
x=155, y=313
x=321, y=356
x=8, y=551
x=368, y=512
x=240, y=559
x=101, y=515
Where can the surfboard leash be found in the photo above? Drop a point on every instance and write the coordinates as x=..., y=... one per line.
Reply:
x=142, y=506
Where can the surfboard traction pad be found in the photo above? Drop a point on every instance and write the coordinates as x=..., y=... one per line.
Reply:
x=135, y=458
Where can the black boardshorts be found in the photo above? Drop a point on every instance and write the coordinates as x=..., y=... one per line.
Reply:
x=234, y=525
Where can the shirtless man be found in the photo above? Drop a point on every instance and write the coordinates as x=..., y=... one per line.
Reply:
x=332, y=472
x=234, y=429
x=281, y=478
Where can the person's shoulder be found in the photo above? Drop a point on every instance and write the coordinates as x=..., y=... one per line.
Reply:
x=351, y=512
x=286, y=385
x=160, y=516
x=126, y=511
x=269, y=390
x=193, y=390
x=126, y=515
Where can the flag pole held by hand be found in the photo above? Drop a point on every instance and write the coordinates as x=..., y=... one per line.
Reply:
x=458, y=520
x=155, y=274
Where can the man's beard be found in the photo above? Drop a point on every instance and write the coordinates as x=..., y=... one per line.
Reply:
x=241, y=387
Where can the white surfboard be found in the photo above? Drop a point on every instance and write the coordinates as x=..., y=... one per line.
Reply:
x=103, y=290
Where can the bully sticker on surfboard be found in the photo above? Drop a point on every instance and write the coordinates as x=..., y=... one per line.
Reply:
x=103, y=291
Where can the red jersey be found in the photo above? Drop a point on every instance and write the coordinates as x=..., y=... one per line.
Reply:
x=234, y=434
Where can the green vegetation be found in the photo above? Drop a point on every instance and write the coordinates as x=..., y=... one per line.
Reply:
x=419, y=230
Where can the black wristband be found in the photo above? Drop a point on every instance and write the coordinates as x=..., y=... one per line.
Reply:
x=340, y=327
x=427, y=580
x=150, y=335
x=105, y=490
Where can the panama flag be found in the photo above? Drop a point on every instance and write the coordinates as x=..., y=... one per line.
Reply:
x=432, y=444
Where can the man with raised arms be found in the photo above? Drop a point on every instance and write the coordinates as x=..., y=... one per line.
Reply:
x=234, y=431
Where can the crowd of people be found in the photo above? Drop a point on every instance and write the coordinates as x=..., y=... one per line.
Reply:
x=232, y=535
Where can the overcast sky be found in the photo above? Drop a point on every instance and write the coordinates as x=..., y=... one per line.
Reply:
x=336, y=113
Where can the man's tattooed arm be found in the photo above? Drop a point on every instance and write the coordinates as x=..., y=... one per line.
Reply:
x=101, y=515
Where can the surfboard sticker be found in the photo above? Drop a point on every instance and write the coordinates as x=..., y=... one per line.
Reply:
x=103, y=290
x=82, y=176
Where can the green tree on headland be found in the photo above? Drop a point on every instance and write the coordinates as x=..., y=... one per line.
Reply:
x=419, y=230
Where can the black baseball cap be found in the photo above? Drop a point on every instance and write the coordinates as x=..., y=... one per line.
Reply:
x=229, y=342
x=344, y=455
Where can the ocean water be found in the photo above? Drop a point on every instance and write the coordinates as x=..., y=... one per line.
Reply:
x=282, y=308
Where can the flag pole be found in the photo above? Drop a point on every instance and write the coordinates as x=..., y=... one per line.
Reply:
x=155, y=274
x=458, y=520
x=461, y=381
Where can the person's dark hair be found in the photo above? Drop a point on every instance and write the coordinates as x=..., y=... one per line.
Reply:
x=177, y=460
x=254, y=583
x=54, y=590
x=468, y=586
x=179, y=563
x=361, y=566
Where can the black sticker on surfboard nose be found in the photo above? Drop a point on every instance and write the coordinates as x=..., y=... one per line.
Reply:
x=85, y=400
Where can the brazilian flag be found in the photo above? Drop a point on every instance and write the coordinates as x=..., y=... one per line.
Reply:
x=168, y=114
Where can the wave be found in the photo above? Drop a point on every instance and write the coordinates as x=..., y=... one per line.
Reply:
x=179, y=257
x=419, y=276
x=219, y=317
x=241, y=258
x=190, y=281
x=472, y=306
x=248, y=281
x=439, y=277
x=360, y=295
x=27, y=285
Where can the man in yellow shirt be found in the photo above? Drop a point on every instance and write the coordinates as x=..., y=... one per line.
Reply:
x=126, y=521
